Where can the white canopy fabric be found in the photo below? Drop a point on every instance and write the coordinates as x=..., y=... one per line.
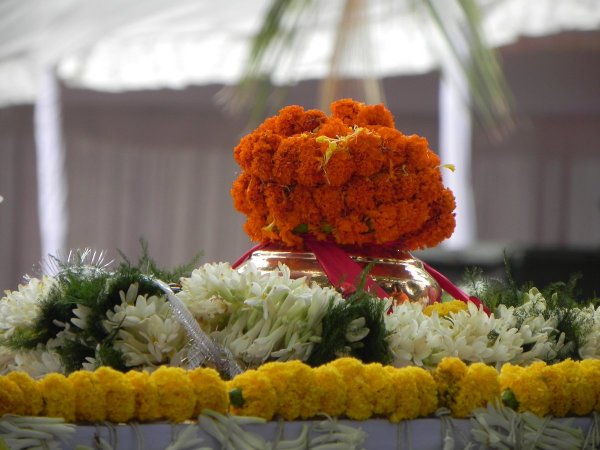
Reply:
x=118, y=45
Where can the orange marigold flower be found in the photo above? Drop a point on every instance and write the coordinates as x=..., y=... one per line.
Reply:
x=351, y=177
x=286, y=161
x=367, y=152
x=294, y=120
x=264, y=148
x=346, y=110
x=360, y=195
x=330, y=202
x=374, y=115
x=310, y=158
x=333, y=128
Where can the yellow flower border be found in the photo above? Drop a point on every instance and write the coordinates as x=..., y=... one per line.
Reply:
x=293, y=390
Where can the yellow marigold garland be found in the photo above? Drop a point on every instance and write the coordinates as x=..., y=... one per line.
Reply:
x=119, y=394
x=343, y=388
x=381, y=389
x=448, y=375
x=210, y=390
x=406, y=398
x=330, y=390
x=292, y=382
x=31, y=391
x=11, y=397
x=59, y=397
x=590, y=371
x=350, y=176
x=529, y=387
x=426, y=389
x=359, y=404
x=90, y=401
x=258, y=397
x=176, y=397
x=478, y=387
x=146, y=396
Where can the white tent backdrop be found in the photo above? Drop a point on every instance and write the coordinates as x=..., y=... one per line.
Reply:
x=129, y=45
x=118, y=45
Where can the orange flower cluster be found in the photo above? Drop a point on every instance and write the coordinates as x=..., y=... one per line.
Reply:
x=351, y=177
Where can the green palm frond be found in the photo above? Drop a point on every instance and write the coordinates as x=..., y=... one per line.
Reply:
x=459, y=40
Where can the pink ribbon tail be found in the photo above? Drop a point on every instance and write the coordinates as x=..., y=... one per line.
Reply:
x=339, y=267
x=454, y=290
x=246, y=255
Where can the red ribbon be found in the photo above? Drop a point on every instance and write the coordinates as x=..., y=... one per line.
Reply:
x=454, y=290
x=341, y=270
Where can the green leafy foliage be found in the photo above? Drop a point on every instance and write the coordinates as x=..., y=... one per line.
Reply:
x=83, y=280
x=334, y=343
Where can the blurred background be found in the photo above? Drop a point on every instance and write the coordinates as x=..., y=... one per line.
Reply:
x=118, y=120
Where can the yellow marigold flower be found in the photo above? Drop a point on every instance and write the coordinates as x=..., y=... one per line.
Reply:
x=529, y=387
x=359, y=405
x=448, y=375
x=590, y=368
x=445, y=308
x=119, y=394
x=12, y=400
x=570, y=392
x=176, y=399
x=90, y=401
x=259, y=396
x=477, y=388
x=146, y=396
x=407, y=405
x=59, y=397
x=210, y=390
x=381, y=388
x=293, y=382
x=508, y=374
x=427, y=390
x=31, y=391
x=581, y=387
x=331, y=390
x=556, y=378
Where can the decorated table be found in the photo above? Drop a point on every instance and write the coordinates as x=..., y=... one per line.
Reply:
x=328, y=334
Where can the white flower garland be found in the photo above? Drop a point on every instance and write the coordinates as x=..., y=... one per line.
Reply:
x=258, y=316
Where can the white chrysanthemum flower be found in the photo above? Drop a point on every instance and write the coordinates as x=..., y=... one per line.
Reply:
x=410, y=339
x=147, y=334
x=591, y=347
x=257, y=316
x=218, y=285
x=38, y=362
x=20, y=308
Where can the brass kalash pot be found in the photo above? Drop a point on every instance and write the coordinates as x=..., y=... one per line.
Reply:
x=397, y=272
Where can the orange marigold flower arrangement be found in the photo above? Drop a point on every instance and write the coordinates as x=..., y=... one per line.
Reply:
x=351, y=177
